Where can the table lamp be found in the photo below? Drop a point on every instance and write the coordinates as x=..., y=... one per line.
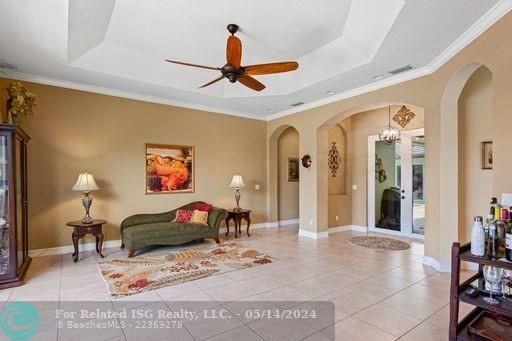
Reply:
x=237, y=182
x=86, y=184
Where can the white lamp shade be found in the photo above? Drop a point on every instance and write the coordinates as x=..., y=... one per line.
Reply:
x=85, y=183
x=237, y=182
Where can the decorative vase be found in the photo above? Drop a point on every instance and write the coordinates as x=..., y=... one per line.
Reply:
x=12, y=118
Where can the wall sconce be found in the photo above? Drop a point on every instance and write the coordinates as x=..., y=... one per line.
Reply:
x=306, y=161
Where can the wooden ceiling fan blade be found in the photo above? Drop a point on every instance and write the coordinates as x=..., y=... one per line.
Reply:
x=250, y=82
x=267, y=69
x=194, y=65
x=234, y=51
x=213, y=81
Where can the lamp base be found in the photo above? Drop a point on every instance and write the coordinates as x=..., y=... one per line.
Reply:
x=237, y=199
x=87, y=220
x=87, y=202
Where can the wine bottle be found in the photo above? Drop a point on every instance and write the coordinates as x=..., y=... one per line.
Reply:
x=508, y=239
x=501, y=230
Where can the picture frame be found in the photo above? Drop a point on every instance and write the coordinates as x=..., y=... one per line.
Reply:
x=487, y=155
x=293, y=169
x=169, y=169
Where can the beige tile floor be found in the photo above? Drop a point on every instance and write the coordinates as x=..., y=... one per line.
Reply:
x=378, y=295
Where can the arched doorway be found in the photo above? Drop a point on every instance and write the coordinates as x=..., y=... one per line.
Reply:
x=468, y=92
x=284, y=176
x=358, y=125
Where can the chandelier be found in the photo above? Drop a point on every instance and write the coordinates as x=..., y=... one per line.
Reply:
x=389, y=134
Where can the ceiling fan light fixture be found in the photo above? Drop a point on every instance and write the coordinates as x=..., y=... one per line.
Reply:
x=235, y=72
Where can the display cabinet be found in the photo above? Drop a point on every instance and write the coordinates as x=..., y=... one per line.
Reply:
x=14, y=259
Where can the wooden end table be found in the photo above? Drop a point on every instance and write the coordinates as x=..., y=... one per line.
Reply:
x=237, y=216
x=80, y=230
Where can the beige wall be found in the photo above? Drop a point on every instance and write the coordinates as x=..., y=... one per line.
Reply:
x=75, y=131
x=438, y=95
x=288, y=147
x=476, y=125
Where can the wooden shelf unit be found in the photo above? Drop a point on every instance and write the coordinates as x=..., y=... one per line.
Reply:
x=459, y=330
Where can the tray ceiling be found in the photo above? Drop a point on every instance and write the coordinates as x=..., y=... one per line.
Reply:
x=120, y=45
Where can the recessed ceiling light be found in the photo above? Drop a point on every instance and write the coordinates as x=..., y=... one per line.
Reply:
x=330, y=92
x=270, y=110
x=378, y=77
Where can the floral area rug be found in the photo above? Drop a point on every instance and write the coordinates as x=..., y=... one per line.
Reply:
x=379, y=243
x=143, y=273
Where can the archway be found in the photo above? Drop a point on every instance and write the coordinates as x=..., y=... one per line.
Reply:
x=356, y=191
x=284, y=176
x=454, y=156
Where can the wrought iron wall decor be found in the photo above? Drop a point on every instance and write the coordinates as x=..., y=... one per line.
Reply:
x=306, y=161
x=334, y=159
x=380, y=173
x=403, y=116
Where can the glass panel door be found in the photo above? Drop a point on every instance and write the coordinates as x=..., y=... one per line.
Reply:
x=4, y=208
x=418, y=202
x=388, y=179
x=19, y=201
x=395, y=184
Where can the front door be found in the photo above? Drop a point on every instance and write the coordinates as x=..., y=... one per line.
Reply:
x=395, y=184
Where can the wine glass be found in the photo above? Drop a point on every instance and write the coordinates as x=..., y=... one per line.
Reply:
x=492, y=275
x=505, y=285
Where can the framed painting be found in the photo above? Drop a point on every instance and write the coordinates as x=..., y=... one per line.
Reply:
x=169, y=169
x=293, y=169
x=487, y=155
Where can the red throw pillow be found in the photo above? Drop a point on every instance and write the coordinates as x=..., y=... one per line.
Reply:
x=203, y=207
x=183, y=216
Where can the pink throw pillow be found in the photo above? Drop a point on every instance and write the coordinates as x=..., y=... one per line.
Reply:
x=183, y=216
x=203, y=207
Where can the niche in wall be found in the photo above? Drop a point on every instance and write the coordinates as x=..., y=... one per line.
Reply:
x=475, y=124
x=339, y=204
x=288, y=191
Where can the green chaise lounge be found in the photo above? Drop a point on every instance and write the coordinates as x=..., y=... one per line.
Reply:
x=142, y=230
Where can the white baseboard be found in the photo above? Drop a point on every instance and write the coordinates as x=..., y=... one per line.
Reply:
x=338, y=229
x=439, y=266
x=313, y=235
x=59, y=250
x=288, y=222
x=359, y=228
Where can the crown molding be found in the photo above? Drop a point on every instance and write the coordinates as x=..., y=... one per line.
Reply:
x=479, y=27
x=490, y=18
x=124, y=94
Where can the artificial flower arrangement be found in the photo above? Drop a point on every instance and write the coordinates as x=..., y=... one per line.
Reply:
x=21, y=102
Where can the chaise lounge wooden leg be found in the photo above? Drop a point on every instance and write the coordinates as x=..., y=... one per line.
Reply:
x=217, y=240
x=132, y=253
x=122, y=246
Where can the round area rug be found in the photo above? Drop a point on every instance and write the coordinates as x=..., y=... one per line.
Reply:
x=379, y=243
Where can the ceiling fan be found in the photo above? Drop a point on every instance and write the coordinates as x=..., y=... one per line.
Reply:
x=235, y=72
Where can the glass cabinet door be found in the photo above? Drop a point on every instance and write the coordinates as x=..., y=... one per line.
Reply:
x=18, y=155
x=4, y=208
